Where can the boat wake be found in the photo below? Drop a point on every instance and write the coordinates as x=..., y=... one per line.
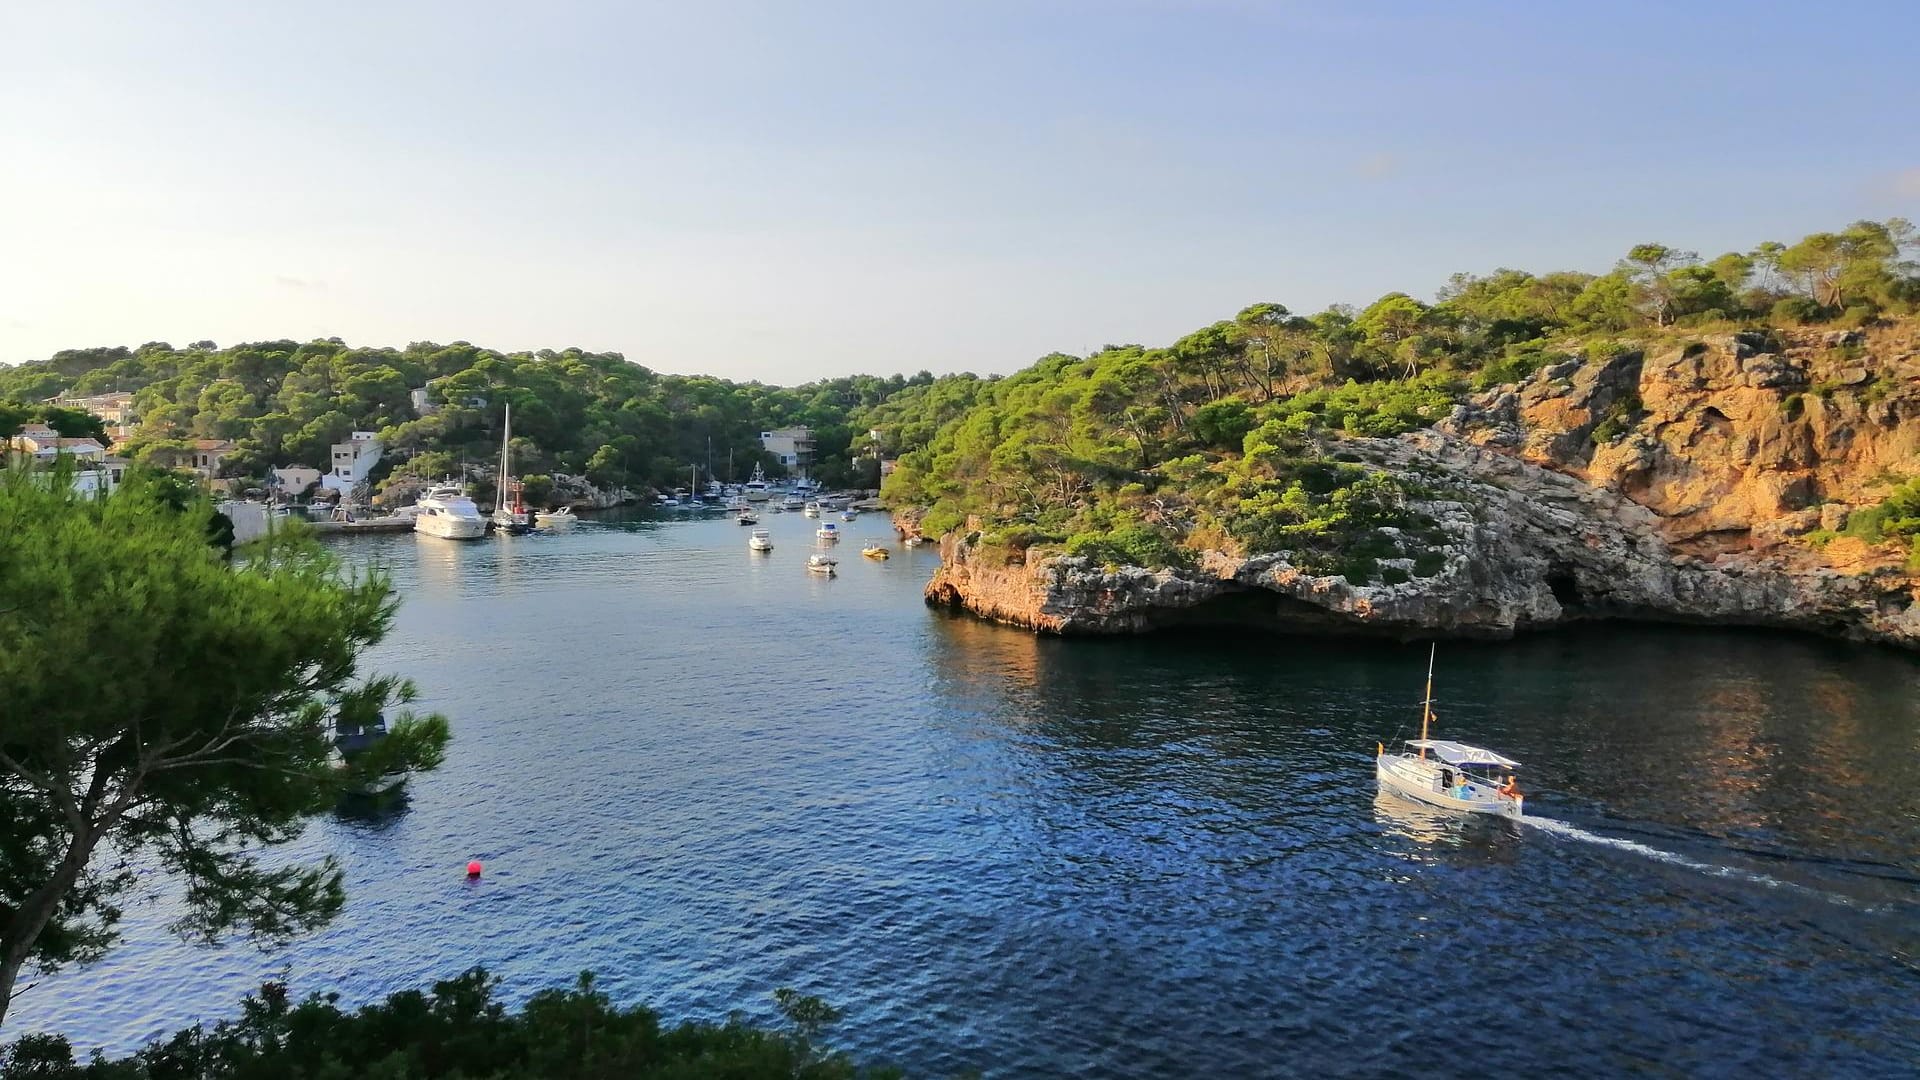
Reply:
x=1574, y=832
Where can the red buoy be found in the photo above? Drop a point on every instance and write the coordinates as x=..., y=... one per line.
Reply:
x=473, y=868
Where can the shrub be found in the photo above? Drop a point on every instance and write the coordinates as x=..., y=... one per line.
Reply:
x=1619, y=419
x=1374, y=410
x=1793, y=405
x=939, y=521
x=1130, y=545
x=1799, y=310
x=1222, y=424
x=1897, y=515
x=1515, y=367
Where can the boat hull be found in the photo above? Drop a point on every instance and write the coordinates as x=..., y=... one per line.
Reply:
x=1420, y=779
x=450, y=528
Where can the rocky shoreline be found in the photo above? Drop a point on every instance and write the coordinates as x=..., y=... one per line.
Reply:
x=1695, y=508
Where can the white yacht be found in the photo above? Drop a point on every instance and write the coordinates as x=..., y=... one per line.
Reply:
x=1449, y=775
x=761, y=540
x=756, y=489
x=446, y=511
x=793, y=502
x=811, y=509
x=849, y=514
x=559, y=518
x=821, y=564
x=828, y=531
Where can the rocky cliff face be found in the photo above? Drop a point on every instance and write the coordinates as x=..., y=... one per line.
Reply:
x=1679, y=484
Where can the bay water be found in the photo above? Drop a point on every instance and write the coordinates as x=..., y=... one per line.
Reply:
x=705, y=774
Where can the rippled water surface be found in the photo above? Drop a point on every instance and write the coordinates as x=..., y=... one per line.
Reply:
x=705, y=774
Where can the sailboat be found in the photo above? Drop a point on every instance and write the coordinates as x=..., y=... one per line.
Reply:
x=1456, y=776
x=509, y=504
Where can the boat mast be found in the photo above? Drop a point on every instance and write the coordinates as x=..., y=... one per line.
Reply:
x=500, y=486
x=1426, y=709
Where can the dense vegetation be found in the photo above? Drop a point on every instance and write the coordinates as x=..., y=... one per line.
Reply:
x=460, y=1030
x=595, y=414
x=1229, y=439
x=168, y=714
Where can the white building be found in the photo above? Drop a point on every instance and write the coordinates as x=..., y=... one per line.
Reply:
x=422, y=401
x=46, y=444
x=94, y=471
x=353, y=462
x=291, y=480
x=793, y=446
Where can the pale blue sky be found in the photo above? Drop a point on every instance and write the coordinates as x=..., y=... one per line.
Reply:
x=788, y=190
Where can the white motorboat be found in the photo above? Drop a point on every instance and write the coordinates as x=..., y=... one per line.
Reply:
x=1449, y=775
x=849, y=514
x=665, y=502
x=748, y=517
x=738, y=504
x=811, y=509
x=446, y=511
x=828, y=531
x=821, y=564
x=915, y=541
x=560, y=518
x=793, y=502
x=761, y=540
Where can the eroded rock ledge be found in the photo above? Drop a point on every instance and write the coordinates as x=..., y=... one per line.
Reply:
x=1687, y=516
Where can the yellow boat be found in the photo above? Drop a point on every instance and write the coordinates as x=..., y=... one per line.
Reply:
x=875, y=551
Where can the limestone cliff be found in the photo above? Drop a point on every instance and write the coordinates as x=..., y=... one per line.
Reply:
x=1683, y=483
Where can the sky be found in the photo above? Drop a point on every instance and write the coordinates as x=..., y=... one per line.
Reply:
x=785, y=191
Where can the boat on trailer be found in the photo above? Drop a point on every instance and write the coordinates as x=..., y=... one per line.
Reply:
x=1449, y=775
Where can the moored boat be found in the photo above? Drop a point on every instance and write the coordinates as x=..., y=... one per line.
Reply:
x=811, y=509
x=821, y=564
x=556, y=518
x=1450, y=775
x=755, y=489
x=446, y=511
x=761, y=540
x=510, y=511
x=828, y=531
x=873, y=550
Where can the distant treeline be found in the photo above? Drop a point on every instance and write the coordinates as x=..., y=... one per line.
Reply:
x=286, y=403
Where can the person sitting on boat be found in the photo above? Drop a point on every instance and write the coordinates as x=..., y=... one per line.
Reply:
x=1511, y=789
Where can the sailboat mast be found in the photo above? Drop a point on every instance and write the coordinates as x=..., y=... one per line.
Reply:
x=500, y=485
x=1426, y=708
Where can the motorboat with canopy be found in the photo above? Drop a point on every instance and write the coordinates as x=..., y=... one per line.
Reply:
x=1448, y=774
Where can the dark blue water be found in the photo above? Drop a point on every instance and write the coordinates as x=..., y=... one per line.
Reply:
x=705, y=774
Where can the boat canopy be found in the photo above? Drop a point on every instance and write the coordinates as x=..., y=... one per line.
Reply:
x=1460, y=754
